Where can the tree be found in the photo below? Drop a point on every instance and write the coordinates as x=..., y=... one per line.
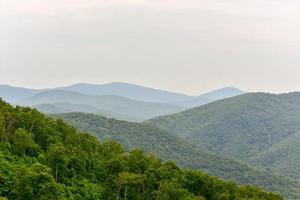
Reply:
x=131, y=183
x=57, y=160
x=23, y=143
x=34, y=182
x=173, y=191
x=44, y=158
x=2, y=131
x=85, y=189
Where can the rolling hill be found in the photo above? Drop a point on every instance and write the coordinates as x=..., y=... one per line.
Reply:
x=257, y=127
x=51, y=109
x=129, y=91
x=168, y=147
x=59, y=108
x=56, y=108
x=44, y=158
x=282, y=157
x=14, y=94
x=117, y=106
x=209, y=97
x=222, y=93
x=136, y=92
x=141, y=93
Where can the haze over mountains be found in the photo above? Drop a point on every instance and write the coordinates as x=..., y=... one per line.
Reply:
x=45, y=158
x=13, y=94
x=222, y=137
x=119, y=100
x=114, y=105
x=131, y=91
x=210, y=97
x=251, y=138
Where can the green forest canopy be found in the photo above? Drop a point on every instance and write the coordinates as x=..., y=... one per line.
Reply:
x=44, y=158
x=187, y=155
x=259, y=128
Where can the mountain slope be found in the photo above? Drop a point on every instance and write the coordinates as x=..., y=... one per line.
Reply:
x=141, y=93
x=56, y=108
x=14, y=94
x=44, y=158
x=241, y=126
x=131, y=91
x=209, y=97
x=168, y=147
x=113, y=105
x=222, y=93
x=282, y=157
x=51, y=109
x=262, y=129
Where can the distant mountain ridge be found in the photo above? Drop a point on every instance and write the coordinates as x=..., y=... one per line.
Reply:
x=55, y=108
x=113, y=105
x=209, y=97
x=12, y=94
x=145, y=102
x=222, y=93
x=132, y=91
x=147, y=94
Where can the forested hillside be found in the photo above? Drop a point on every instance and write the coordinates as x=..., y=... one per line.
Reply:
x=283, y=157
x=44, y=158
x=258, y=128
x=169, y=147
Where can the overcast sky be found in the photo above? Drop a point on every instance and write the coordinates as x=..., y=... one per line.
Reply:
x=189, y=46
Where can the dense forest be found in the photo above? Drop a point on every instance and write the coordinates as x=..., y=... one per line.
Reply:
x=258, y=128
x=187, y=155
x=44, y=158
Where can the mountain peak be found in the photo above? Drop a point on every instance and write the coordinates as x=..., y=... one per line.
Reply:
x=222, y=93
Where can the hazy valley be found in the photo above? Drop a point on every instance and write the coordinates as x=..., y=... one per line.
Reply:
x=249, y=138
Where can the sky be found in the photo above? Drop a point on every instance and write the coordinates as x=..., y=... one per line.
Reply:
x=188, y=46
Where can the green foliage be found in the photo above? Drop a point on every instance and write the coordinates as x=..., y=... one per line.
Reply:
x=257, y=128
x=283, y=157
x=187, y=155
x=241, y=126
x=34, y=182
x=67, y=164
x=23, y=143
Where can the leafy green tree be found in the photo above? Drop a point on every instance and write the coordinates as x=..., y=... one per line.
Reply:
x=6, y=174
x=131, y=183
x=34, y=182
x=173, y=191
x=23, y=143
x=58, y=161
x=85, y=189
x=42, y=158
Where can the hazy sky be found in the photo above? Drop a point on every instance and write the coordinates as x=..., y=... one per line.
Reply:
x=188, y=46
